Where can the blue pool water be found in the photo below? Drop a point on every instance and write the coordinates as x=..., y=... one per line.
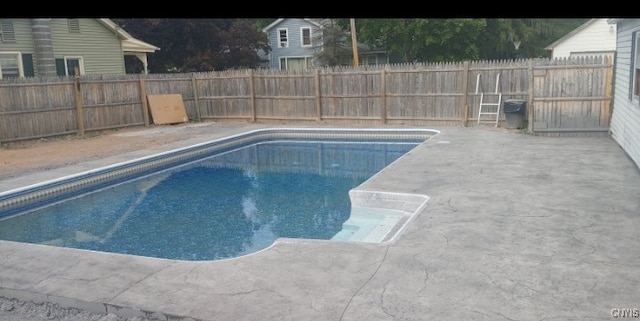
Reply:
x=221, y=206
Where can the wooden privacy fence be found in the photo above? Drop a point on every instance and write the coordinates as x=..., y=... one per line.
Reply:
x=563, y=96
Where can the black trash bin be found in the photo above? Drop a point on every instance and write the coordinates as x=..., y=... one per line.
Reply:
x=514, y=113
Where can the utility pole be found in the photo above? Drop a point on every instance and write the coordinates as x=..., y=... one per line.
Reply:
x=354, y=42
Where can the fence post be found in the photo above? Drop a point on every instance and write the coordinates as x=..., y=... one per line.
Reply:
x=383, y=95
x=318, y=98
x=531, y=112
x=79, y=104
x=253, y=95
x=196, y=99
x=608, y=88
x=465, y=91
x=143, y=99
x=1, y=122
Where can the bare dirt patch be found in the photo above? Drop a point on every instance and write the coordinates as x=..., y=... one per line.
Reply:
x=24, y=157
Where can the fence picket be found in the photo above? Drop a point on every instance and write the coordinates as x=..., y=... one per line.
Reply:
x=567, y=92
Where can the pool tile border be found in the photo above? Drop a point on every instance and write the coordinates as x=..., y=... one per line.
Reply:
x=18, y=200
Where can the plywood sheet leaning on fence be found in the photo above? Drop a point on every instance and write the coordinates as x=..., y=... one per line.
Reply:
x=167, y=109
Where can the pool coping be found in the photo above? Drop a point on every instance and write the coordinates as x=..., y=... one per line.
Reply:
x=16, y=200
x=409, y=204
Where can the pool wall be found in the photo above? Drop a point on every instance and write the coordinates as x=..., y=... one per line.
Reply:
x=18, y=200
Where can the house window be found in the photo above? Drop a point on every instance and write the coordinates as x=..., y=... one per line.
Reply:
x=283, y=38
x=74, y=25
x=7, y=33
x=11, y=65
x=306, y=36
x=71, y=63
x=635, y=66
x=368, y=60
x=295, y=64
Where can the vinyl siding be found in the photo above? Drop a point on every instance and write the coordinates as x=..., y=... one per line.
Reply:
x=597, y=38
x=295, y=49
x=24, y=37
x=23, y=44
x=100, y=49
x=625, y=121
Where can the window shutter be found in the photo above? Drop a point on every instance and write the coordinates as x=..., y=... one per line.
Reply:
x=7, y=33
x=632, y=64
x=60, y=68
x=27, y=64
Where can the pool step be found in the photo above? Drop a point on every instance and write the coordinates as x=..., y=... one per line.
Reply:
x=368, y=225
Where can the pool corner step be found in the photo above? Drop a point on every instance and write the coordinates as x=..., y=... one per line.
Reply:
x=369, y=225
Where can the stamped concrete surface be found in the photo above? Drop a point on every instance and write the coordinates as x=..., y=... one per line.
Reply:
x=517, y=227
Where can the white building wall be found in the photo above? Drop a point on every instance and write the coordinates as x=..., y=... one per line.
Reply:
x=625, y=120
x=596, y=39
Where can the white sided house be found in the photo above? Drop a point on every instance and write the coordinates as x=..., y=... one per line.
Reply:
x=625, y=120
x=595, y=37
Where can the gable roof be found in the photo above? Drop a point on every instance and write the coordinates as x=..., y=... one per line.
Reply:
x=279, y=20
x=129, y=43
x=571, y=34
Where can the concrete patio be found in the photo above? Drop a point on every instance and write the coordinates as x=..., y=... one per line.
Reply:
x=518, y=227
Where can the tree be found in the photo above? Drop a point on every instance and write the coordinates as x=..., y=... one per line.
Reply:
x=264, y=22
x=463, y=39
x=188, y=45
x=545, y=32
x=423, y=39
x=332, y=44
x=531, y=35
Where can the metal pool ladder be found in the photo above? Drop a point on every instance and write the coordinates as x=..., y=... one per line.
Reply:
x=491, y=108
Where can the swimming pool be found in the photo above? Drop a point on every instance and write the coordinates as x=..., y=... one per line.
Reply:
x=281, y=153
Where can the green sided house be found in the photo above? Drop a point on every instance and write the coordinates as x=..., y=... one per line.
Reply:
x=56, y=47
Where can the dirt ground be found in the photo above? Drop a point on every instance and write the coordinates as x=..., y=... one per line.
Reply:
x=23, y=157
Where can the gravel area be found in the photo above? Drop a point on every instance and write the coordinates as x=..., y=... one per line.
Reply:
x=14, y=310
